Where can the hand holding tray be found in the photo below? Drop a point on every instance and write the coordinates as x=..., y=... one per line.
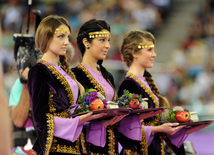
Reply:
x=110, y=112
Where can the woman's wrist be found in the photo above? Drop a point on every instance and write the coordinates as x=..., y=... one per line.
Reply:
x=155, y=129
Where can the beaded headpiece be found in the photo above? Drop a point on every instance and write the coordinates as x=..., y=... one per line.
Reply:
x=62, y=30
x=99, y=34
x=146, y=45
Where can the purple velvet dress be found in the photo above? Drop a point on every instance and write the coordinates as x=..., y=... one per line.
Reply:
x=100, y=140
x=138, y=85
x=53, y=92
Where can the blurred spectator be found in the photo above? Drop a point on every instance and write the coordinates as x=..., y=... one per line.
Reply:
x=146, y=15
x=197, y=56
x=205, y=80
x=179, y=57
x=12, y=14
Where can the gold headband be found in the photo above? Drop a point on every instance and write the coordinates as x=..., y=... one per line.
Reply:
x=146, y=45
x=99, y=34
x=62, y=30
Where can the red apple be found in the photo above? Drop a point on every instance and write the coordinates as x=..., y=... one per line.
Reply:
x=134, y=104
x=182, y=116
x=97, y=104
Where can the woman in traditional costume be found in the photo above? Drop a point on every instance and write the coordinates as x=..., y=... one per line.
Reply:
x=54, y=91
x=93, y=41
x=138, y=53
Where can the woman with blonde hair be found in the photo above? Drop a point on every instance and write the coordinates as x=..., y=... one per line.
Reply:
x=54, y=92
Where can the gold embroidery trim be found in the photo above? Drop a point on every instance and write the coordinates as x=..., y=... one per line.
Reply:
x=131, y=152
x=51, y=145
x=111, y=140
x=61, y=78
x=158, y=116
x=63, y=114
x=95, y=83
x=50, y=102
x=82, y=140
x=66, y=149
x=143, y=144
x=50, y=133
x=91, y=78
x=162, y=146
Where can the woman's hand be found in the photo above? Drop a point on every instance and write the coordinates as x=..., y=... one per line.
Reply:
x=196, y=128
x=150, y=114
x=113, y=120
x=169, y=128
x=24, y=73
x=89, y=116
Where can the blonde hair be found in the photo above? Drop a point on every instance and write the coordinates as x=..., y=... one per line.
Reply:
x=130, y=44
x=163, y=102
x=44, y=35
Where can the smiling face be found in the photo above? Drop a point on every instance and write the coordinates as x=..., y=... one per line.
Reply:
x=60, y=41
x=145, y=57
x=99, y=47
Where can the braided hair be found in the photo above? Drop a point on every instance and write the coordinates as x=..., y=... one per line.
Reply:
x=130, y=44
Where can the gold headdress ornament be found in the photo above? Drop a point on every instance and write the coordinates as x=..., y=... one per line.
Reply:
x=62, y=30
x=146, y=45
x=99, y=34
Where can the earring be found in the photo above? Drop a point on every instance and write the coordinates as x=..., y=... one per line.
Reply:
x=87, y=46
x=135, y=59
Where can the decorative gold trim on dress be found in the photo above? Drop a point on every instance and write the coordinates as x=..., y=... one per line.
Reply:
x=61, y=78
x=143, y=146
x=50, y=133
x=131, y=152
x=162, y=146
x=62, y=30
x=156, y=121
x=66, y=148
x=111, y=139
x=63, y=114
x=50, y=102
x=143, y=143
x=97, y=86
x=82, y=142
x=99, y=34
x=95, y=83
x=146, y=45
